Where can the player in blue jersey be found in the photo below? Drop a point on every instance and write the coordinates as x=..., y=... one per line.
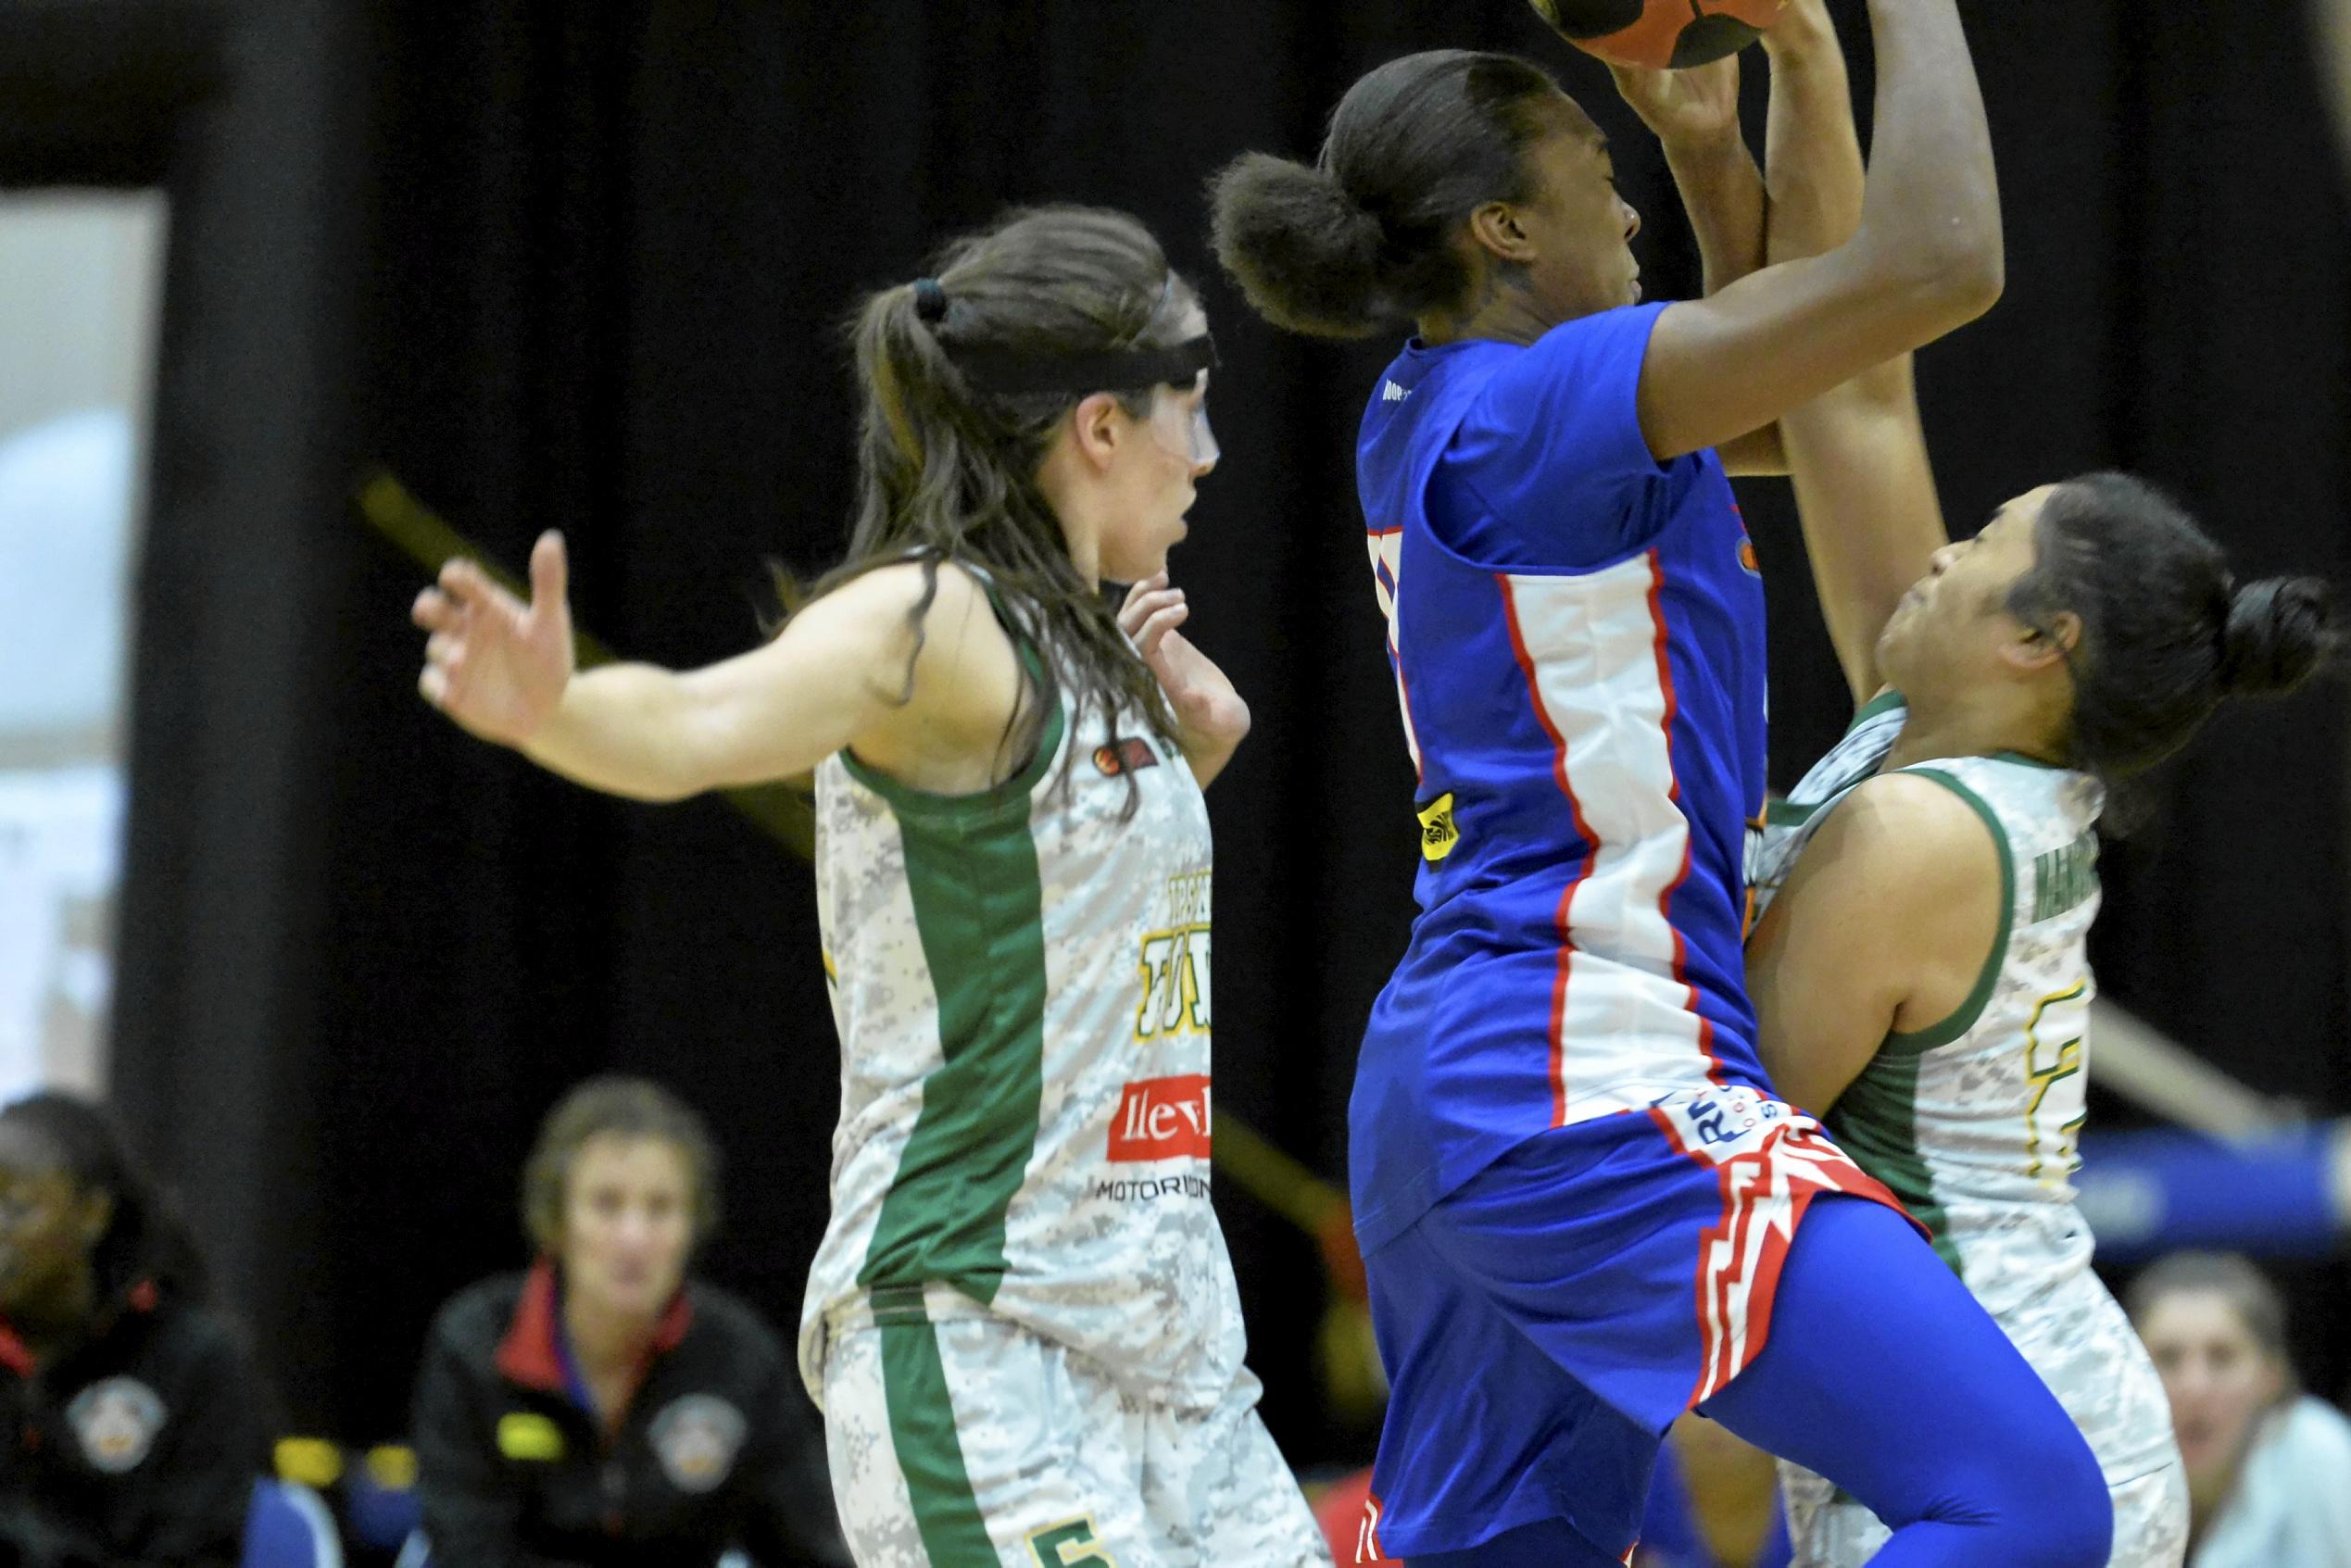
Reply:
x=1582, y=1210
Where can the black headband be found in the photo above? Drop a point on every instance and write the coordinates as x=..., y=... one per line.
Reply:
x=1118, y=369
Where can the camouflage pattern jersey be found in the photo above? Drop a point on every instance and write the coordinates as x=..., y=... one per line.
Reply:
x=1974, y=1123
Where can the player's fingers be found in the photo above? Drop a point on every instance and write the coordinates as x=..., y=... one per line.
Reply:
x=471, y=587
x=443, y=648
x=1151, y=585
x=432, y=610
x=1156, y=629
x=1138, y=610
x=433, y=685
x=550, y=569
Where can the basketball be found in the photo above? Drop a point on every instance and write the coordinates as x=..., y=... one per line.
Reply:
x=1665, y=33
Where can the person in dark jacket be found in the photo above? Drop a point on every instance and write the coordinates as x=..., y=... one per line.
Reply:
x=605, y=1410
x=128, y=1431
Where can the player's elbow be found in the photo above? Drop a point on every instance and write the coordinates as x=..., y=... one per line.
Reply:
x=1951, y=273
x=1970, y=281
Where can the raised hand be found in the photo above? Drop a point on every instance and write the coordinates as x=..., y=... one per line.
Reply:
x=495, y=665
x=1683, y=105
x=1211, y=712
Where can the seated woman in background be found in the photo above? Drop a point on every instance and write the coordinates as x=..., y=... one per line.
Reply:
x=128, y=1430
x=2269, y=1467
x=603, y=1408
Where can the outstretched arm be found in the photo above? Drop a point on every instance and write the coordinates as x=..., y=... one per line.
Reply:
x=1925, y=259
x=837, y=674
x=1865, y=487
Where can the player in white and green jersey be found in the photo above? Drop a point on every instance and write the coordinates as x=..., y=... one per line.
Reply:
x=1974, y=1119
x=1919, y=964
x=1021, y=1324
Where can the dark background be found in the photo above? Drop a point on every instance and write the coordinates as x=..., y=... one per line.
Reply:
x=582, y=267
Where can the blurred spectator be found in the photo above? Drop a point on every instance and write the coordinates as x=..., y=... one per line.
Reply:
x=2269, y=1468
x=128, y=1430
x=604, y=1408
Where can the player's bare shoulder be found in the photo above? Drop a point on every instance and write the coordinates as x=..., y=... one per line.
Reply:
x=931, y=636
x=1916, y=833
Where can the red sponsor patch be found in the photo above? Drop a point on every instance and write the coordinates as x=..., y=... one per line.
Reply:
x=1162, y=1119
x=1124, y=756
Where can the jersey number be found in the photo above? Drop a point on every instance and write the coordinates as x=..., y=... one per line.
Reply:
x=1059, y=1546
x=2053, y=1069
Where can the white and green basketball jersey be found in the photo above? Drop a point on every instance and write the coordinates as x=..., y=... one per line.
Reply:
x=1021, y=986
x=1974, y=1123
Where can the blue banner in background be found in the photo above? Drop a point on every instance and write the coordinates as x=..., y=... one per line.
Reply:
x=2284, y=1195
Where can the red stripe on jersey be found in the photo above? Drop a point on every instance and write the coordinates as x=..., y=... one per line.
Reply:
x=1561, y=919
x=1392, y=582
x=1673, y=795
x=1770, y=1186
x=1405, y=698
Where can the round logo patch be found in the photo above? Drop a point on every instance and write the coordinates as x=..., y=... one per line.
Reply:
x=696, y=1439
x=116, y=1422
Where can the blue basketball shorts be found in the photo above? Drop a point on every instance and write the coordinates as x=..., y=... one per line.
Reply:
x=1543, y=1324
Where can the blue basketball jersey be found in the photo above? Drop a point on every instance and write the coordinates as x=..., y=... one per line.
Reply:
x=1577, y=631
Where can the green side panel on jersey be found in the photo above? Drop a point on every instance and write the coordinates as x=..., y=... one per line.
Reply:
x=972, y=875
x=1962, y=1021
x=930, y=1456
x=1876, y=1122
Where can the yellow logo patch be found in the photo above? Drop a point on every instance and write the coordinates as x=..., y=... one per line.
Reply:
x=526, y=1436
x=1438, y=835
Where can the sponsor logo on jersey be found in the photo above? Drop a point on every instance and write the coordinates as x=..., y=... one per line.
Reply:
x=1720, y=1123
x=696, y=1439
x=1150, y=1189
x=1175, y=970
x=1128, y=756
x=1391, y=392
x=1748, y=561
x=1438, y=835
x=530, y=1438
x=1162, y=1119
x=116, y=1422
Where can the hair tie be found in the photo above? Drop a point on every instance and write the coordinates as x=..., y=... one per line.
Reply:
x=930, y=299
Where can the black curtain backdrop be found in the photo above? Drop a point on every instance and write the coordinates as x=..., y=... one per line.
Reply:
x=584, y=267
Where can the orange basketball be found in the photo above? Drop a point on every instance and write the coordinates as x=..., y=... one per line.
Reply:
x=1675, y=33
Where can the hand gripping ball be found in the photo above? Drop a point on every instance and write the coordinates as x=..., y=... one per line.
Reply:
x=1674, y=33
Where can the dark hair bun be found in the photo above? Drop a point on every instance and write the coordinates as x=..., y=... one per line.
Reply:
x=2280, y=630
x=1307, y=255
